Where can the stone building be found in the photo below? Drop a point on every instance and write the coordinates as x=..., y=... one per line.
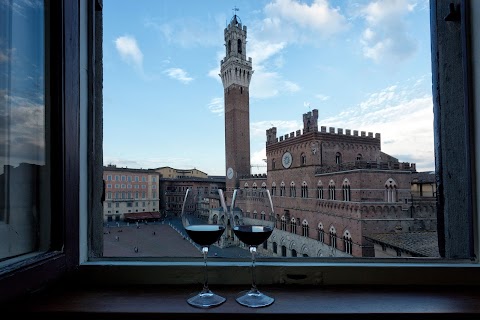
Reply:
x=333, y=188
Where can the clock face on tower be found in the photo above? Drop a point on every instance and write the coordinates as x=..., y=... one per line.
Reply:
x=229, y=173
x=287, y=160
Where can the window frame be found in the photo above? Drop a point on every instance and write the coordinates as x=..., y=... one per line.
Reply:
x=39, y=269
x=76, y=244
x=456, y=268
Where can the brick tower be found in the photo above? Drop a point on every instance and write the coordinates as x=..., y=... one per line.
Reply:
x=236, y=72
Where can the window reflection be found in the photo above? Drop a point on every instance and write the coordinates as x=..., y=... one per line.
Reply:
x=23, y=140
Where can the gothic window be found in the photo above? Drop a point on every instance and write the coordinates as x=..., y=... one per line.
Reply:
x=274, y=189
x=245, y=186
x=283, y=224
x=294, y=253
x=264, y=185
x=262, y=215
x=293, y=226
x=305, y=228
x=359, y=157
x=254, y=185
x=282, y=189
x=338, y=158
x=346, y=190
x=229, y=46
x=390, y=191
x=321, y=233
x=319, y=190
x=333, y=237
x=331, y=190
x=255, y=214
x=347, y=240
x=274, y=247
x=239, y=46
x=303, y=158
x=304, y=190
x=284, y=251
x=293, y=190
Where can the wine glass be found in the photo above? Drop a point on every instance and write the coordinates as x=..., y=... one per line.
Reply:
x=253, y=221
x=204, y=230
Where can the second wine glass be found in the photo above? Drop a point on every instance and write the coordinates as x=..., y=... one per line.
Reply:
x=204, y=230
x=253, y=220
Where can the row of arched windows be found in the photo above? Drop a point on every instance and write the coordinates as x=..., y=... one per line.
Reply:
x=391, y=192
x=303, y=159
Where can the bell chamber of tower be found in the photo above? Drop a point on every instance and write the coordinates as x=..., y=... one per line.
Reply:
x=235, y=68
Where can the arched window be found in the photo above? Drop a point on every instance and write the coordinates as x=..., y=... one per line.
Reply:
x=229, y=46
x=245, y=186
x=333, y=237
x=273, y=163
x=239, y=46
x=293, y=226
x=283, y=225
x=303, y=159
x=347, y=240
x=264, y=185
x=294, y=253
x=274, y=189
x=331, y=190
x=293, y=190
x=338, y=158
x=254, y=185
x=319, y=190
x=282, y=189
x=274, y=247
x=304, y=190
x=284, y=251
x=254, y=214
x=346, y=190
x=359, y=157
x=305, y=228
x=390, y=191
x=321, y=233
x=262, y=215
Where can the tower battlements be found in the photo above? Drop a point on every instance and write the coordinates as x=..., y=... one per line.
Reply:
x=310, y=124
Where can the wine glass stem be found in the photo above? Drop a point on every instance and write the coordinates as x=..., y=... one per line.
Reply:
x=253, y=250
x=205, y=281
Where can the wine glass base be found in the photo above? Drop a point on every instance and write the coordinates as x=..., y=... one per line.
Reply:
x=254, y=299
x=206, y=300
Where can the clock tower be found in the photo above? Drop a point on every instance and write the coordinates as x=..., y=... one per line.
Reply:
x=236, y=72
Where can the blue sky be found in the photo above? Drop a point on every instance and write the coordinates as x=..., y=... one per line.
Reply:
x=365, y=65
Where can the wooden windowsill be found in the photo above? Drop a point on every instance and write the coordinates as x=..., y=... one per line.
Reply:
x=336, y=302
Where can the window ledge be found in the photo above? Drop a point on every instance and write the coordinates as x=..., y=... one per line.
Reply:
x=167, y=301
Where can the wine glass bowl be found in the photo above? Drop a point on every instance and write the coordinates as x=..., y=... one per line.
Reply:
x=204, y=229
x=253, y=221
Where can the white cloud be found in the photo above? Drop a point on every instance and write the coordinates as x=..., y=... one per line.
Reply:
x=129, y=51
x=403, y=115
x=216, y=106
x=386, y=36
x=179, y=74
x=299, y=21
x=322, y=97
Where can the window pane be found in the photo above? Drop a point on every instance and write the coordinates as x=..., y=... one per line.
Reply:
x=364, y=134
x=24, y=186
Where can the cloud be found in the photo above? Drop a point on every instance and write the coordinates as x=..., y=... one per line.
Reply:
x=216, y=106
x=26, y=129
x=300, y=22
x=129, y=51
x=189, y=32
x=402, y=114
x=386, y=36
x=179, y=74
x=322, y=97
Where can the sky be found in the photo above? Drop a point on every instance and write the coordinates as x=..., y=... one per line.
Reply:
x=365, y=65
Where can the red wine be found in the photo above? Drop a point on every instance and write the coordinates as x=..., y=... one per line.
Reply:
x=252, y=235
x=205, y=234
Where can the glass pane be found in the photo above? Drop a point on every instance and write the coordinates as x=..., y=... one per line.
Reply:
x=328, y=105
x=24, y=188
